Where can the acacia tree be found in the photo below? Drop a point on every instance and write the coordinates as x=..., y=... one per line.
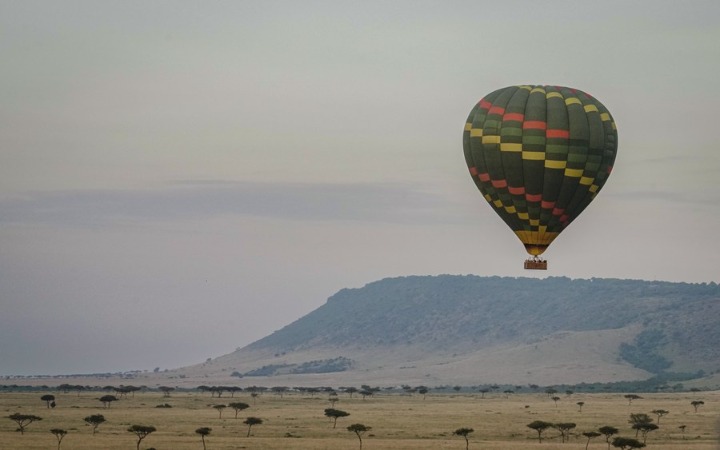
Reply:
x=564, y=429
x=423, y=390
x=682, y=430
x=335, y=414
x=48, y=398
x=645, y=428
x=250, y=421
x=624, y=443
x=133, y=389
x=59, y=434
x=95, y=420
x=608, y=432
x=464, y=432
x=238, y=406
x=359, y=429
x=220, y=409
x=204, y=431
x=280, y=390
x=350, y=390
x=107, y=399
x=638, y=421
x=660, y=413
x=141, y=431
x=590, y=435
x=540, y=426
x=555, y=399
x=631, y=397
x=23, y=420
x=166, y=390
x=580, y=404
x=366, y=393
x=233, y=389
x=696, y=404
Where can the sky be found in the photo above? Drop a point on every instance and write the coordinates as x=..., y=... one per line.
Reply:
x=179, y=178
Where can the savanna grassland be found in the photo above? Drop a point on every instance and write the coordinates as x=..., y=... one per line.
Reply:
x=399, y=421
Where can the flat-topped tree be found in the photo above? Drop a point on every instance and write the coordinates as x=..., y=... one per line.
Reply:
x=95, y=420
x=464, y=432
x=141, y=431
x=250, y=421
x=359, y=429
x=238, y=406
x=349, y=390
x=696, y=404
x=204, y=431
x=59, y=434
x=23, y=420
x=48, y=398
x=564, y=429
x=540, y=426
x=166, y=390
x=608, y=432
x=639, y=421
x=220, y=409
x=660, y=413
x=631, y=397
x=233, y=389
x=107, y=399
x=624, y=443
x=423, y=391
x=645, y=428
x=335, y=414
x=590, y=435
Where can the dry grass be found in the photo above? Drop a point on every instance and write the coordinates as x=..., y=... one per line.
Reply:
x=296, y=421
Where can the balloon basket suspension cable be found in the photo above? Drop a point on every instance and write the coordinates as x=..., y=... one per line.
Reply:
x=536, y=263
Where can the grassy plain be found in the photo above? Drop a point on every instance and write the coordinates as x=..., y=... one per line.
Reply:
x=296, y=421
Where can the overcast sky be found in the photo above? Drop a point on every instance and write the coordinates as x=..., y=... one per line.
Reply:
x=181, y=178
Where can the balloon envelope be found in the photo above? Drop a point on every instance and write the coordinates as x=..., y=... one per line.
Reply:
x=539, y=155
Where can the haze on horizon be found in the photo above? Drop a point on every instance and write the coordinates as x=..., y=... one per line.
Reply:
x=178, y=179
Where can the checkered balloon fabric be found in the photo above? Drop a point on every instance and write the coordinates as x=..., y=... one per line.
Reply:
x=539, y=155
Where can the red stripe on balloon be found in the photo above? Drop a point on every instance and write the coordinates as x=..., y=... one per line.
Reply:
x=517, y=117
x=499, y=183
x=473, y=171
x=547, y=205
x=516, y=190
x=484, y=176
x=558, y=211
x=563, y=134
x=534, y=125
x=533, y=197
x=497, y=110
x=484, y=104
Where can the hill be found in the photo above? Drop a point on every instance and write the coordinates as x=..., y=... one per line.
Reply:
x=468, y=330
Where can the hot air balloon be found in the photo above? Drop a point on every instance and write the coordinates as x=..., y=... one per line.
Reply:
x=539, y=155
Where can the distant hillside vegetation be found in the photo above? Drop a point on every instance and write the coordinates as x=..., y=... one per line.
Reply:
x=469, y=330
x=677, y=323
